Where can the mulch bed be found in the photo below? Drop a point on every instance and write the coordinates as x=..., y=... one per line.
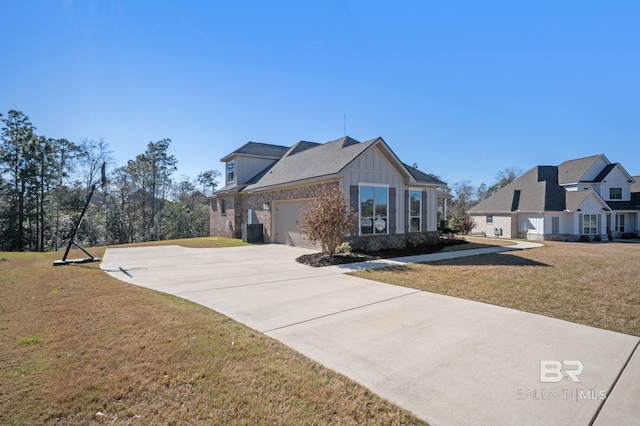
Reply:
x=323, y=259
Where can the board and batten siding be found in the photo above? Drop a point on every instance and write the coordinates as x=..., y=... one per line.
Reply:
x=248, y=167
x=565, y=223
x=616, y=179
x=530, y=225
x=590, y=206
x=374, y=167
x=432, y=209
x=594, y=170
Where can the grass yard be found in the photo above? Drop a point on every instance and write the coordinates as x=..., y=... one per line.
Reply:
x=596, y=284
x=80, y=347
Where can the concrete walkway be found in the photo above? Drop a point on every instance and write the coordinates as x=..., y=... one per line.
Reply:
x=422, y=258
x=450, y=361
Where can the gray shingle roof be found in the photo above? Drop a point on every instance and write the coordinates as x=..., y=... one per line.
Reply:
x=605, y=172
x=535, y=191
x=539, y=190
x=421, y=176
x=575, y=198
x=312, y=162
x=531, y=192
x=259, y=149
x=301, y=146
x=634, y=204
x=572, y=171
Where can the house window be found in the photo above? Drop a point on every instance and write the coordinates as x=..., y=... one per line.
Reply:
x=231, y=171
x=373, y=210
x=590, y=224
x=615, y=193
x=620, y=223
x=489, y=218
x=223, y=206
x=415, y=209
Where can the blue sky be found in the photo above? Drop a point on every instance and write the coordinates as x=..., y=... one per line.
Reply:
x=464, y=89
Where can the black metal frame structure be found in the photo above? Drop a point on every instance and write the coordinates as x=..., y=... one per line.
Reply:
x=72, y=239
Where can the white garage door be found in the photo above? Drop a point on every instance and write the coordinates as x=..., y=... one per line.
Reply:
x=287, y=221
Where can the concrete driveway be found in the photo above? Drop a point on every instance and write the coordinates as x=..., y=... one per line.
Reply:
x=450, y=361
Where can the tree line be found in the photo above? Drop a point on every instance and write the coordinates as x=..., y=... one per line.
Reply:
x=465, y=195
x=44, y=182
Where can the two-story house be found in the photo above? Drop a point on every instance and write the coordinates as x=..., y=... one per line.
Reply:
x=270, y=184
x=586, y=196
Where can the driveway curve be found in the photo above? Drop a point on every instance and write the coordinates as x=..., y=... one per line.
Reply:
x=448, y=360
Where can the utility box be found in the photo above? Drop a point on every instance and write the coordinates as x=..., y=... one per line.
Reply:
x=252, y=233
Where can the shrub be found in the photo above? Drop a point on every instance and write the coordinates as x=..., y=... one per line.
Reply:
x=373, y=244
x=584, y=239
x=565, y=239
x=462, y=223
x=344, y=248
x=597, y=238
x=416, y=240
x=328, y=219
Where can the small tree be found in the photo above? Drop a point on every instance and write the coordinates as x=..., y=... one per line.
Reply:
x=328, y=219
x=462, y=223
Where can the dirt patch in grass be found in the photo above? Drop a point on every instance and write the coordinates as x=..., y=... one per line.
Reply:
x=101, y=351
x=594, y=284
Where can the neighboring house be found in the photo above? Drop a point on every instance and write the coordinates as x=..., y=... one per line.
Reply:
x=587, y=196
x=269, y=185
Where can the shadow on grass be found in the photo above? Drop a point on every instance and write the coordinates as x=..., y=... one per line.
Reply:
x=494, y=259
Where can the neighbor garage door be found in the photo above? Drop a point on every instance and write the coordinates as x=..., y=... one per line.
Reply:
x=287, y=221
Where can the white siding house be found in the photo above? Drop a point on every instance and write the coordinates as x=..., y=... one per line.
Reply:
x=589, y=197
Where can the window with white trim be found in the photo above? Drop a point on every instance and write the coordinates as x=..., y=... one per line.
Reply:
x=620, y=222
x=615, y=193
x=489, y=218
x=415, y=210
x=374, y=207
x=231, y=171
x=589, y=224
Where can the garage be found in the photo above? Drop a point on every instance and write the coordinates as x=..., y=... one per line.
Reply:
x=287, y=219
